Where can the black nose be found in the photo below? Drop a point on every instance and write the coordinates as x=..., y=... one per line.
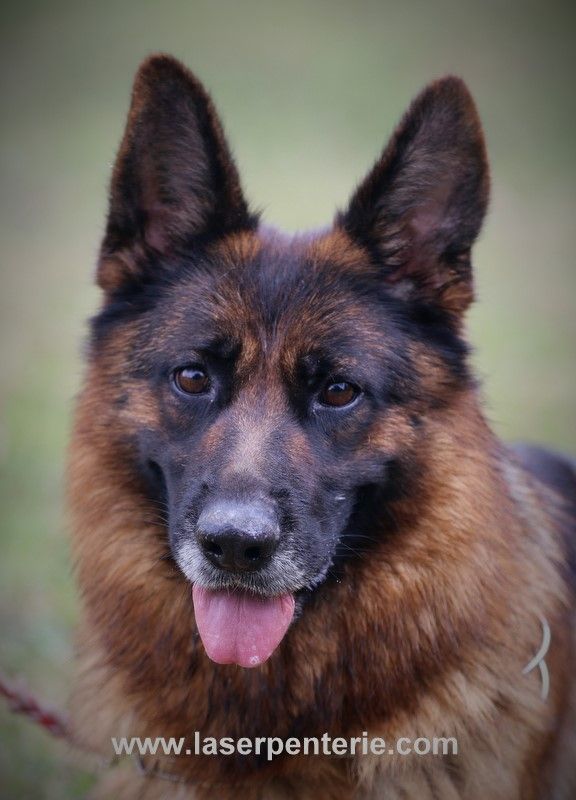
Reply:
x=238, y=536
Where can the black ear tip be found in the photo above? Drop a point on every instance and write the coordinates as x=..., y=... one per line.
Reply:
x=161, y=69
x=451, y=85
x=450, y=92
x=159, y=65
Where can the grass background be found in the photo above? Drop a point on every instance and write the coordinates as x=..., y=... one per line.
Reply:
x=308, y=92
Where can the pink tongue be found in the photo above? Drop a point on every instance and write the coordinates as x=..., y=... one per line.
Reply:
x=241, y=628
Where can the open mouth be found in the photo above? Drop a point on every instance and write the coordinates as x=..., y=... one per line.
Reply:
x=240, y=627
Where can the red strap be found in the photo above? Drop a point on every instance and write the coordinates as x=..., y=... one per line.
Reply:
x=22, y=702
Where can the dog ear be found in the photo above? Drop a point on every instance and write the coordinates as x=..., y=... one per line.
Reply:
x=174, y=182
x=421, y=207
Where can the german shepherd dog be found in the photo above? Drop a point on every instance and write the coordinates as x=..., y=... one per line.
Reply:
x=290, y=515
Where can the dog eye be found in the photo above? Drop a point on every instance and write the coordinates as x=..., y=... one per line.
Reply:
x=338, y=394
x=191, y=380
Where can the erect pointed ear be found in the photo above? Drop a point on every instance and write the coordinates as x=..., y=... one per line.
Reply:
x=174, y=182
x=421, y=207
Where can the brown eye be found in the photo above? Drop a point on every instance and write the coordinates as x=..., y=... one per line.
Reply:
x=339, y=393
x=191, y=380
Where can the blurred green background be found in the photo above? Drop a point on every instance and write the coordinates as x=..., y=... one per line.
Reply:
x=309, y=92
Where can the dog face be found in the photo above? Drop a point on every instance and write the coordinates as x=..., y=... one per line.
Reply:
x=275, y=393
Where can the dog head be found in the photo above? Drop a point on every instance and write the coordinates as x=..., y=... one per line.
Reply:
x=274, y=392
